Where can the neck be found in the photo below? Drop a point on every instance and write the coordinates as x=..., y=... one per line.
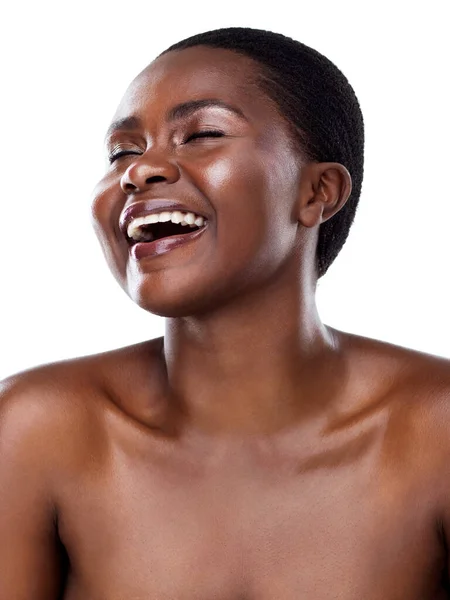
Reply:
x=256, y=365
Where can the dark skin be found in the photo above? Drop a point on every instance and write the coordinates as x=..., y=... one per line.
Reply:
x=252, y=452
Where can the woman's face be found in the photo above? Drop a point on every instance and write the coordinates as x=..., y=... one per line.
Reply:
x=243, y=179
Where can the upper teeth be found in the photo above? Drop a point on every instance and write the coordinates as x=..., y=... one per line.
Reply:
x=134, y=228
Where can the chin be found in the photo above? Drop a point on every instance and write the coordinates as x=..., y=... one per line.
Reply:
x=180, y=302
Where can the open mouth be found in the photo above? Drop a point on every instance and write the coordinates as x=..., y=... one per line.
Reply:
x=153, y=227
x=157, y=231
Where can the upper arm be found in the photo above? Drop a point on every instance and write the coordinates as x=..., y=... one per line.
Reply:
x=30, y=564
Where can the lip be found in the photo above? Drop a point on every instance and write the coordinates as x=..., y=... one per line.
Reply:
x=148, y=207
x=141, y=250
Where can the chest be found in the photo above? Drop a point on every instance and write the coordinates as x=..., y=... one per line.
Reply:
x=343, y=526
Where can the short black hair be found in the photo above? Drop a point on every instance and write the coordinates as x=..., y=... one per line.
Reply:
x=319, y=104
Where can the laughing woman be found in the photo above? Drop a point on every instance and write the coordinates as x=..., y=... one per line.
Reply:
x=252, y=452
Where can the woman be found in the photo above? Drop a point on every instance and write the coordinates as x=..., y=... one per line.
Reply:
x=252, y=452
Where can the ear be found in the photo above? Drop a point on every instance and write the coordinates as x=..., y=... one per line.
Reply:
x=324, y=189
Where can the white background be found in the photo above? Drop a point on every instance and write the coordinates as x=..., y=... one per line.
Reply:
x=63, y=70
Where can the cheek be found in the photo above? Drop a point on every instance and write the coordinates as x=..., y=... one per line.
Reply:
x=106, y=206
x=101, y=204
x=253, y=191
x=236, y=186
x=107, y=203
x=220, y=174
x=244, y=189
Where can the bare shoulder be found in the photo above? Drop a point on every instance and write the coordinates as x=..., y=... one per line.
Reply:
x=53, y=440
x=75, y=378
x=413, y=382
x=398, y=362
x=57, y=407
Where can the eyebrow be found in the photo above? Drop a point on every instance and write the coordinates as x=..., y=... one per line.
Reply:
x=123, y=124
x=187, y=108
x=179, y=111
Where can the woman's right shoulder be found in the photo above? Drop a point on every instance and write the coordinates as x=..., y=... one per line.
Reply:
x=50, y=404
x=66, y=398
x=45, y=386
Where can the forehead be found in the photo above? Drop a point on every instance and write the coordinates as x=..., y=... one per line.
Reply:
x=196, y=73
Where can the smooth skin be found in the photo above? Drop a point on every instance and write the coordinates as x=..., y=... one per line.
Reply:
x=252, y=453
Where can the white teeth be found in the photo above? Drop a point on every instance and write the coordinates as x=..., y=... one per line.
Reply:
x=164, y=216
x=134, y=228
x=190, y=218
x=177, y=216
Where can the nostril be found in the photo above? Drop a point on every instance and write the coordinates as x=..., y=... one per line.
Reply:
x=155, y=178
x=129, y=187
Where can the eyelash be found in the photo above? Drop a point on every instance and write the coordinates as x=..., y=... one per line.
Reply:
x=198, y=134
x=116, y=155
x=205, y=133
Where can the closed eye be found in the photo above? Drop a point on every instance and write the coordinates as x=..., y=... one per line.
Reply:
x=201, y=134
x=115, y=155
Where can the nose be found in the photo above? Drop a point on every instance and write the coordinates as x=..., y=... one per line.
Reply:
x=146, y=170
